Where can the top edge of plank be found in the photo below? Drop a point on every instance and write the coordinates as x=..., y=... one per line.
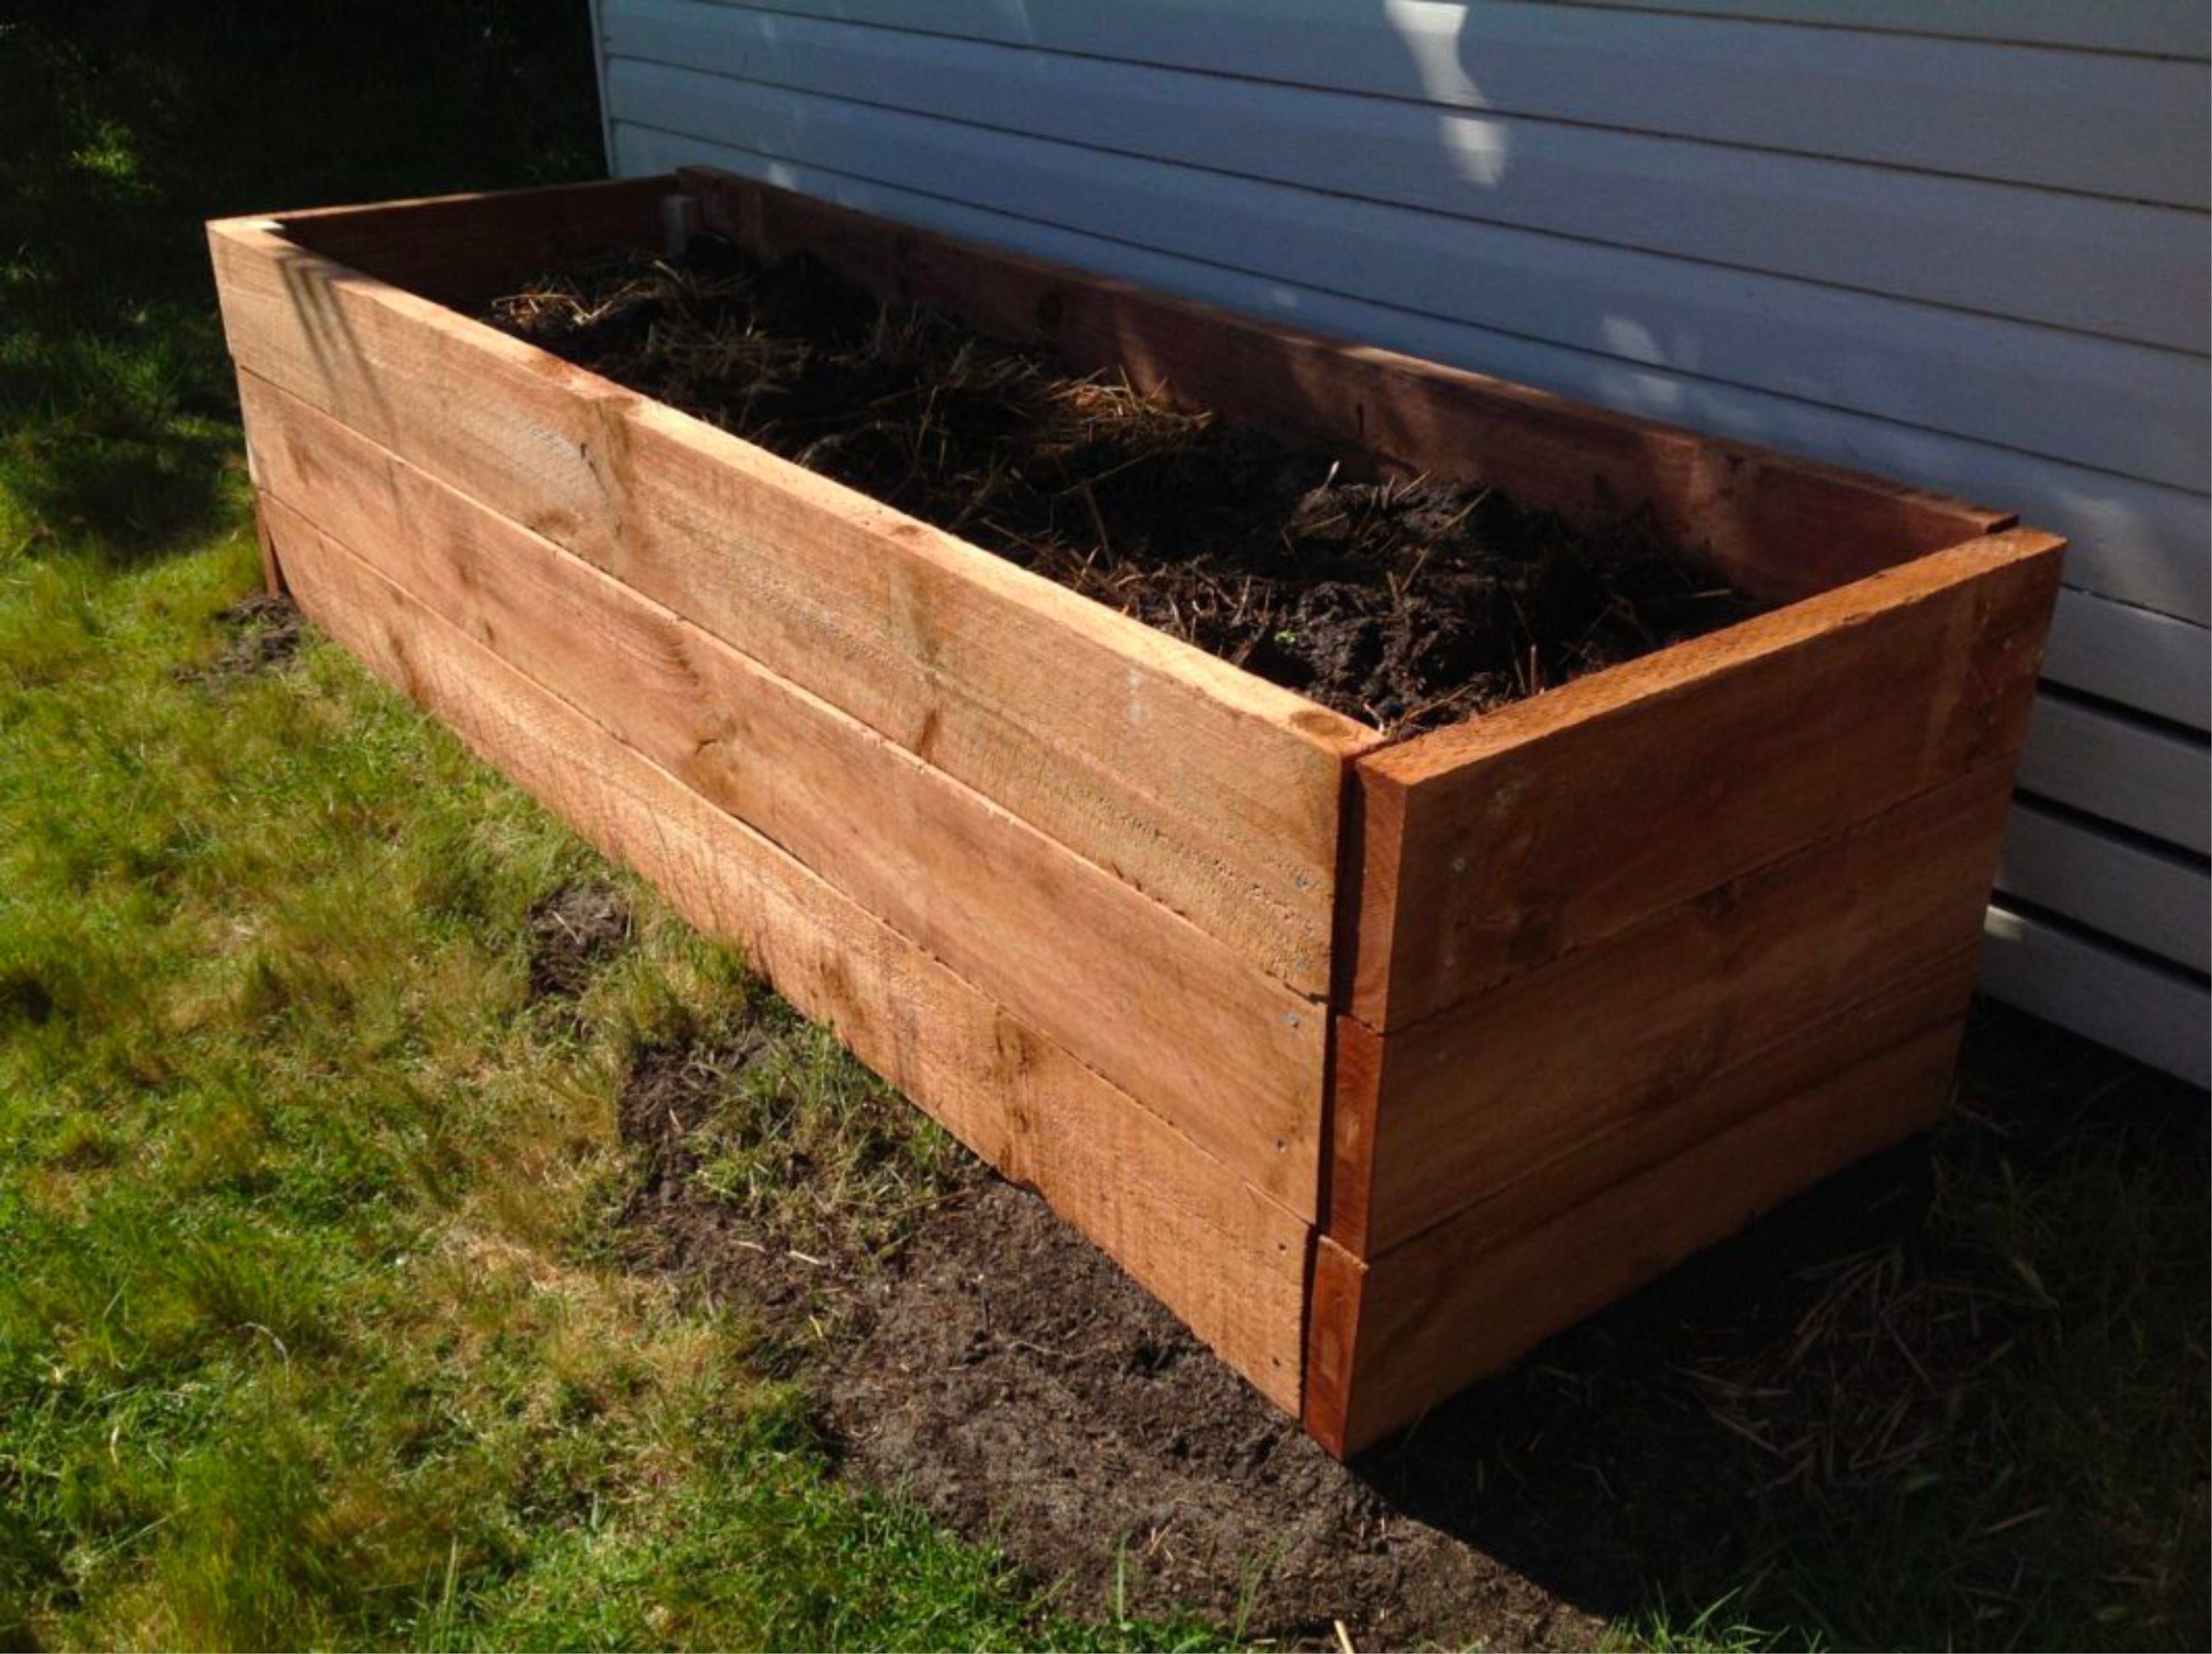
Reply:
x=1242, y=692
x=1344, y=736
x=1970, y=518
x=1437, y=753
x=282, y=219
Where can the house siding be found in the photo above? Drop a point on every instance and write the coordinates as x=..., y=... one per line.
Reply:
x=1961, y=243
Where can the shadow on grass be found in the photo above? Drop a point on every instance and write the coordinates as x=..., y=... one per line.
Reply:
x=1947, y=1399
x=123, y=126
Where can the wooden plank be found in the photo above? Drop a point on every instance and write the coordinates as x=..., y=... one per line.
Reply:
x=1525, y=1183
x=2148, y=898
x=2120, y=268
x=1777, y=526
x=2142, y=659
x=2134, y=410
x=1440, y=1114
x=465, y=249
x=1500, y=843
x=1211, y=790
x=272, y=576
x=2070, y=978
x=2134, y=542
x=1391, y=1337
x=1226, y=1259
x=2156, y=781
x=1170, y=1014
x=2102, y=125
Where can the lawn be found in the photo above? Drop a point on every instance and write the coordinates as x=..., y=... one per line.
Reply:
x=319, y=1325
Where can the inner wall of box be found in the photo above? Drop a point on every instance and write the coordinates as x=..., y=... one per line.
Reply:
x=463, y=254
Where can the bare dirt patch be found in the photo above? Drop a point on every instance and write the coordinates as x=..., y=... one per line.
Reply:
x=263, y=634
x=1408, y=603
x=1706, y=1439
x=573, y=931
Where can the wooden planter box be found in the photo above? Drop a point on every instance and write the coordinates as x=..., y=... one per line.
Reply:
x=1376, y=1062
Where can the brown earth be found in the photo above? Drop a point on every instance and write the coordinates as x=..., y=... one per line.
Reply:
x=572, y=931
x=1408, y=603
x=262, y=634
x=990, y=1363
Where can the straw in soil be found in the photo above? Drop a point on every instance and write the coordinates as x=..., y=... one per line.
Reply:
x=1406, y=603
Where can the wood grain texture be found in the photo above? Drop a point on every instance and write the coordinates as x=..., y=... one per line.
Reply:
x=2132, y=409
x=1226, y=1259
x=1558, y=1169
x=1171, y=1015
x=465, y=249
x=1490, y=847
x=1215, y=793
x=2135, y=541
x=1628, y=1031
x=1391, y=1337
x=1778, y=527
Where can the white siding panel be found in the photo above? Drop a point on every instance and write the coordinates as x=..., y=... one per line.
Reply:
x=1961, y=243
x=2095, y=125
x=2167, y=28
x=2124, y=408
x=2133, y=656
x=2110, y=765
x=2145, y=896
x=2162, y=1016
x=2127, y=271
x=2136, y=543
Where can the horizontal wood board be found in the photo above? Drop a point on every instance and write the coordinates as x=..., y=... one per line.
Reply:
x=1778, y=527
x=1226, y=1259
x=1496, y=844
x=1390, y=1336
x=2136, y=543
x=1212, y=791
x=2132, y=409
x=465, y=249
x=1171, y=1015
x=1429, y=1119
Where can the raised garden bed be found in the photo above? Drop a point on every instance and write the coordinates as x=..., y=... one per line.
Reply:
x=1377, y=1057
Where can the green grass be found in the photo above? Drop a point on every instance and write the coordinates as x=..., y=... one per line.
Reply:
x=310, y=1331
x=307, y=1330
x=311, y=1328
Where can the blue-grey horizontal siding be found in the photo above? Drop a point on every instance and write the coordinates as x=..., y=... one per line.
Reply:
x=1962, y=243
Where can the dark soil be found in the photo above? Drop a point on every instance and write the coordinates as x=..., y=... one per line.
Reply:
x=1700, y=1437
x=674, y=1224
x=263, y=635
x=573, y=931
x=1406, y=603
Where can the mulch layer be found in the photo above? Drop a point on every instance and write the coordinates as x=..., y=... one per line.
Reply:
x=1407, y=604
